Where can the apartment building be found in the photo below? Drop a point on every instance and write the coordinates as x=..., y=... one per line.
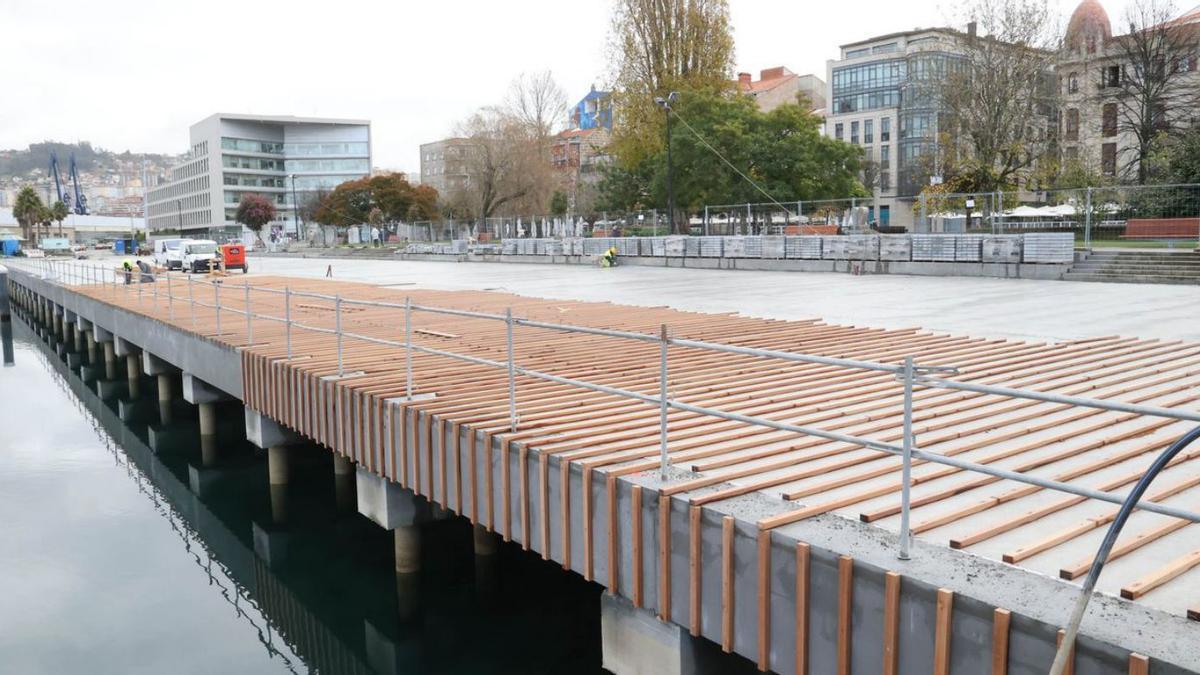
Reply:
x=778, y=85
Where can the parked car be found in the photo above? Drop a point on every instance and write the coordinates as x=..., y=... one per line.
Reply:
x=167, y=253
x=198, y=255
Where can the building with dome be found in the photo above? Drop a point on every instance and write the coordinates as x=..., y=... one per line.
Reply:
x=1092, y=75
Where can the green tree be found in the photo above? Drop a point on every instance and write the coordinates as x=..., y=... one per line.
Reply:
x=660, y=46
x=558, y=203
x=27, y=210
x=255, y=212
x=776, y=155
x=60, y=212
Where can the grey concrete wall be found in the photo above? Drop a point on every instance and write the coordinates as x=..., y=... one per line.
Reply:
x=936, y=269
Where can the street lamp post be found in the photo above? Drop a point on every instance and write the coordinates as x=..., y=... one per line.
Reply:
x=295, y=207
x=666, y=106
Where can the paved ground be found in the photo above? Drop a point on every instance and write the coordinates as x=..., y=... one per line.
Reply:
x=1017, y=308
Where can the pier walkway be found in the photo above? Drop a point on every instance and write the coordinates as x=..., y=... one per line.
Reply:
x=743, y=479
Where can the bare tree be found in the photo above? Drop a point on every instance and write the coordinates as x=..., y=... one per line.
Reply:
x=999, y=96
x=536, y=101
x=1150, y=78
x=506, y=165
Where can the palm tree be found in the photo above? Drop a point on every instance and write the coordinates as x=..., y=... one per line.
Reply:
x=27, y=210
x=59, y=212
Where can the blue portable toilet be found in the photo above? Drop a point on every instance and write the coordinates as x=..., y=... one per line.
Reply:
x=9, y=245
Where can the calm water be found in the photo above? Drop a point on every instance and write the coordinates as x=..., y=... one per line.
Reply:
x=119, y=558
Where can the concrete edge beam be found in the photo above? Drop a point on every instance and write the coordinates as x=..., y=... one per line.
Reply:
x=265, y=432
x=125, y=347
x=102, y=335
x=152, y=365
x=386, y=503
x=197, y=391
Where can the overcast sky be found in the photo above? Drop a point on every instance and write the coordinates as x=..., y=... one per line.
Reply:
x=134, y=74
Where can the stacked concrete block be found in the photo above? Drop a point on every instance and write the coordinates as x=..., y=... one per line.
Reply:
x=675, y=247
x=862, y=247
x=774, y=247
x=734, y=247
x=835, y=248
x=968, y=247
x=711, y=247
x=803, y=247
x=1049, y=247
x=897, y=247
x=933, y=247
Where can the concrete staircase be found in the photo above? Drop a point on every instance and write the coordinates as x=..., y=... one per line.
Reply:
x=1137, y=266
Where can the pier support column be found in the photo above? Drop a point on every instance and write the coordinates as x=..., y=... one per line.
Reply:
x=133, y=372
x=277, y=475
x=487, y=563
x=343, y=483
x=164, y=398
x=91, y=348
x=486, y=543
x=110, y=362
x=269, y=435
x=408, y=549
x=634, y=642
x=205, y=397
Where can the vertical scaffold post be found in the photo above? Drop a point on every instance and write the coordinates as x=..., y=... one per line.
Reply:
x=249, y=318
x=906, y=473
x=408, y=348
x=287, y=319
x=337, y=328
x=662, y=403
x=512, y=371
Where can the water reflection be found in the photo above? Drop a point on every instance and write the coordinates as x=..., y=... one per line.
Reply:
x=311, y=580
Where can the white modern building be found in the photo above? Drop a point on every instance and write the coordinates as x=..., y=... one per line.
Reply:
x=288, y=159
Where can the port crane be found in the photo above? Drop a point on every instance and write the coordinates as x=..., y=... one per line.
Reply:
x=78, y=204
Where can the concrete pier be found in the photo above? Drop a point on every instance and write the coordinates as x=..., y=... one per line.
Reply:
x=343, y=483
x=486, y=543
x=733, y=568
x=110, y=361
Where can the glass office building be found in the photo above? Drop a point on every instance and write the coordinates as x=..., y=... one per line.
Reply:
x=286, y=159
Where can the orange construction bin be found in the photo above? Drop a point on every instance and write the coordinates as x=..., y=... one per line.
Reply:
x=234, y=257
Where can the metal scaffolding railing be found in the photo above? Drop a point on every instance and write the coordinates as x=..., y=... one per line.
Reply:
x=910, y=374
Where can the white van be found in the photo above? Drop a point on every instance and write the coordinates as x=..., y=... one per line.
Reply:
x=196, y=254
x=167, y=253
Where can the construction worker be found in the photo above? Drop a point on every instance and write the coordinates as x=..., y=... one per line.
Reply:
x=127, y=268
x=609, y=259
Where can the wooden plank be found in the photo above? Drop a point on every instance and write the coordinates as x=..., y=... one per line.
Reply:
x=664, y=557
x=727, y=597
x=764, y=600
x=1069, y=669
x=845, y=612
x=941, y=632
x=803, y=557
x=1000, y=622
x=695, y=570
x=637, y=562
x=1160, y=576
x=1139, y=664
x=891, y=623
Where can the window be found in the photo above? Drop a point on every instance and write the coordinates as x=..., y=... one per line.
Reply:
x=1109, y=121
x=1073, y=83
x=854, y=132
x=885, y=130
x=1071, y=154
x=1108, y=159
x=837, y=131
x=868, y=131
x=885, y=155
x=1186, y=64
x=1110, y=77
x=1072, y=124
x=885, y=181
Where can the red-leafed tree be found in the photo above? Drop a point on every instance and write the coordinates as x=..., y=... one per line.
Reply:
x=255, y=211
